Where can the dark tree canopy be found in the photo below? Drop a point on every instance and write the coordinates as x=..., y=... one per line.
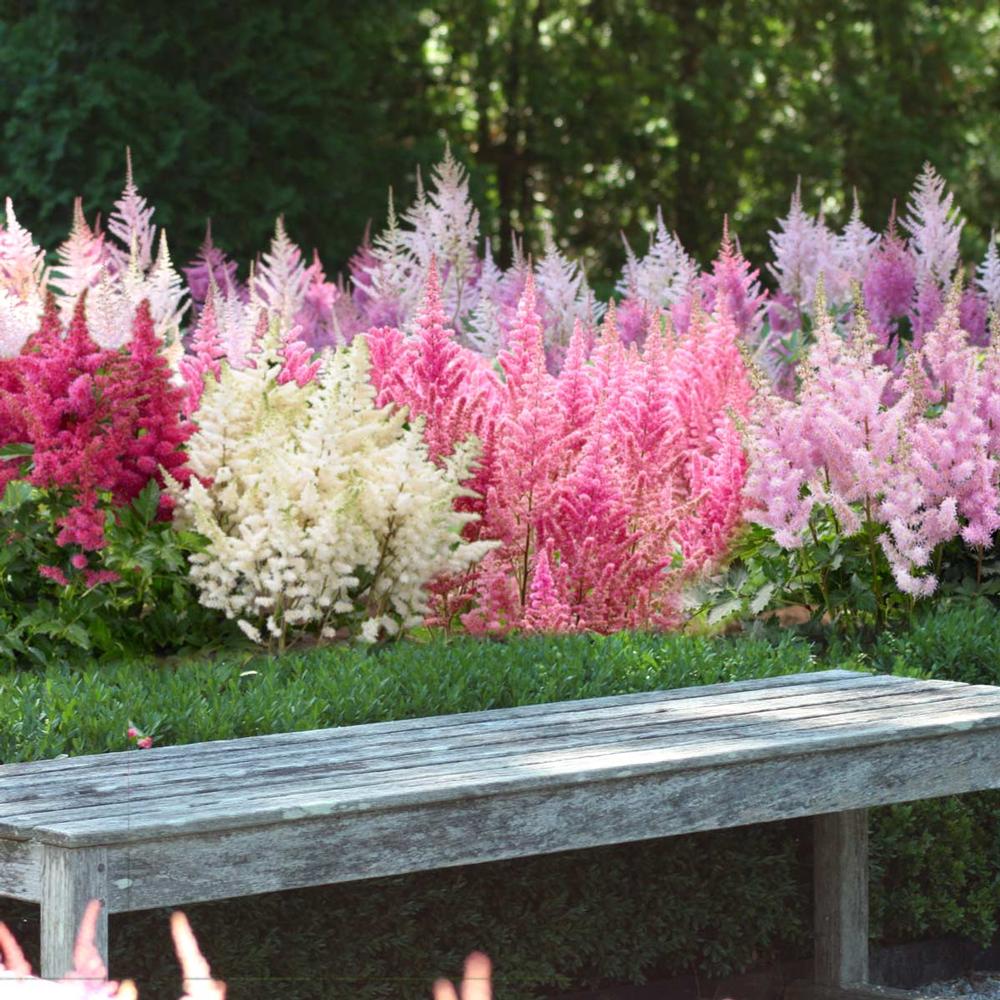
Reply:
x=581, y=114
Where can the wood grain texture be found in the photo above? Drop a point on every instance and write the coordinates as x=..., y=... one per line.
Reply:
x=307, y=850
x=70, y=879
x=248, y=787
x=840, y=880
x=20, y=870
x=462, y=745
x=739, y=691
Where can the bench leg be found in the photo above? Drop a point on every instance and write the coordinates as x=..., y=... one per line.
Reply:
x=840, y=879
x=71, y=877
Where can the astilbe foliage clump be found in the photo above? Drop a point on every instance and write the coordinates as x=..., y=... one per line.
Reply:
x=606, y=485
x=323, y=513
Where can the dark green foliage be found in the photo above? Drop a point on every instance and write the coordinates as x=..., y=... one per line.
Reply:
x=590, y=114
x=714, y=902
x=151, y=608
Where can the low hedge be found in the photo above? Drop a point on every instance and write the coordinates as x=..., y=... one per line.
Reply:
x=715, y=903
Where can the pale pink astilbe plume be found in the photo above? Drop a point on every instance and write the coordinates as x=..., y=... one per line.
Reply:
x=211, y=267
x=81, y=259
x=22, y=263
x=934, y=226
x=800, y=245
x=989, y=403
x=280, y=279
x=546, y=609
x=484, y=329
x=241, y=326
x=131, y=224
x=166, y=293
x=944, y=355
x=563, y=298
x=663, y=275
x=444, y=224
x=988, y=273
x=855, y=246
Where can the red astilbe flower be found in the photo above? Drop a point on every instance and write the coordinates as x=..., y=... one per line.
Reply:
x=98, y=421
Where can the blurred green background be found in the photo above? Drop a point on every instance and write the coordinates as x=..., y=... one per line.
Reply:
x=585, y=114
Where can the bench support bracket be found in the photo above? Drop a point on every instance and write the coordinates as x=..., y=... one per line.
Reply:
x=71, y=877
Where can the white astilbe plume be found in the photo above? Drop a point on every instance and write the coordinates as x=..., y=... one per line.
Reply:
x=854, y=246
x=167, y=293
x=113, y=301
x=22, y=263
x=323, y=513
x=934, y=227
x=18, y=321
x=81, y=259
x=130, y=223
x=664, y=275
x=563, y=292
x=988, y=273
x=281, y=277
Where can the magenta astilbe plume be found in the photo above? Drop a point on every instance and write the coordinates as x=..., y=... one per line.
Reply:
x=299, y=363
x=546, y=609
x=211, y=266
x=889, y=282
x=735, y=283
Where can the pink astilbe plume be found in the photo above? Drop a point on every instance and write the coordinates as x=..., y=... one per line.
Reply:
x=318, y=318
x=22, y=263
x=585, y=475
x=734, y=282
x=299, y=363
x=889, y=283
x=203, y=357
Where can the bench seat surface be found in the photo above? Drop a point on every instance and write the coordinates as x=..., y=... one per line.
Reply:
x=232, y=784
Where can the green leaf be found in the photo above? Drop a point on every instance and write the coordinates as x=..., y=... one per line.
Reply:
x=17, y=451
x=17, y=493
x=762, y=598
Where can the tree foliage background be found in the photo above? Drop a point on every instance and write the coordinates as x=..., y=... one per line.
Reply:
x=579, y=114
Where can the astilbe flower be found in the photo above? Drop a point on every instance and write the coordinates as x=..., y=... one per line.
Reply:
x=588, y=478
x=98, y=421
x=988, y=273
x=921, y=476
x=211, y=267
x=88, y=979
x=22, y=283
x=82, y=258
x=889, y=283
x=322, y=511
x=934, y=226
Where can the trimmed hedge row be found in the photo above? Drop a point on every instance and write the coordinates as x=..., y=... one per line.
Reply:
x=716, y=902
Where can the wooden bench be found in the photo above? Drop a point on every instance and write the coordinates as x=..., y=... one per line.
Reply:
x=232, y=818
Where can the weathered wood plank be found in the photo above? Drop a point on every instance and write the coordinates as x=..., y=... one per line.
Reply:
x=218, y=807
x=840, y=880
x=713, y=693
x=324, y=849
x=20, y=870
x=70, y=879
x=294, y=765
